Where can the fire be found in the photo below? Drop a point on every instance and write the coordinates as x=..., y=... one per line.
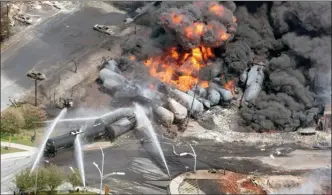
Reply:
x=224, y=36
x=204, y=84
x=177, y=18
x=234, y=19
x=197, y=29
x=180, y=69
x=216, y=9
x=132, y=58
x=230, y=85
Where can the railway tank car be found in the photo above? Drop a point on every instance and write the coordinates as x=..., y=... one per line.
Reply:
x=111, y=127
x=59, y=143
x=66, y=141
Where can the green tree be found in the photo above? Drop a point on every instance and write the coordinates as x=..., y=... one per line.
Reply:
x=24, y=181
x=74, y=178
x=33, y=114
x=41, y=179
x=54, y=177
x=11, y=121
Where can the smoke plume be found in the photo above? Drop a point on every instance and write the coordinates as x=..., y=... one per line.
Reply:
x=199, y=24
x=298, y=46
x=293, y=39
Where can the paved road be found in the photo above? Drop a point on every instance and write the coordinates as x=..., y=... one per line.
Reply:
x=10, y=167
x=145, y=171
x=49, y=45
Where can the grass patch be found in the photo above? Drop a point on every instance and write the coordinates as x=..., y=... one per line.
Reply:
x=10, y=150
x=60, y=193
x=24, y=137
x=19, y=139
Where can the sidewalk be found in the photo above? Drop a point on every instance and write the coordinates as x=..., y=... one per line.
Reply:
x=18, y=146
x=29, y=150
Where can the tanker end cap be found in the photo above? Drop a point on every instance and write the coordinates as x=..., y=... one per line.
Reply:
x=76, y=132
x=68, y=103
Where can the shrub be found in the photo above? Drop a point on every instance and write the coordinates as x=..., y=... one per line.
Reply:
x=24, y=181
x=11, y=121
x=54, y=177
x=74, y=178
x=33, y=114
x=41, y=179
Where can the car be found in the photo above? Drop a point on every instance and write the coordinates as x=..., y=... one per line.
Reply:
x=23, y=18
x=103, y=29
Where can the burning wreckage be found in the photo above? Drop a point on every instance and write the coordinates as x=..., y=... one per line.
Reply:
x=201, y=54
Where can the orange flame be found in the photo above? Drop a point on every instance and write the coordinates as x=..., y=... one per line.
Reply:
x=234, y=19
x=216, y=9
x=176, y=18
x=180, y=69
x=204, y=84
x=230, y=85
x=132, y=58
x=197, y=29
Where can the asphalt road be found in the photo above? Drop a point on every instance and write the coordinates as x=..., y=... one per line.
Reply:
x=10, y=167
x=145, y=171
x=50, y=45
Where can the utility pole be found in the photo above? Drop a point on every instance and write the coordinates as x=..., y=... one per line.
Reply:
x=7, y=4
x=37, y=76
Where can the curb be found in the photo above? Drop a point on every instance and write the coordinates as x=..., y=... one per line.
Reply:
x=16, y=155
x=174, y=185
x=18, y=146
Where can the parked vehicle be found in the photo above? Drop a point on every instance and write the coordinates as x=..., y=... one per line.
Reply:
x=23, y=18
x=103, y=29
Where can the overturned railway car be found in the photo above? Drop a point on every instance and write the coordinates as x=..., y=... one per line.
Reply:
x=96, y=130
x=64, y=142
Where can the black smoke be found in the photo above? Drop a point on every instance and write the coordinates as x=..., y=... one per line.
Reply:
x=293, y=39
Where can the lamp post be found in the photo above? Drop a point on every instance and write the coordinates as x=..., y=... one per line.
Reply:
x=37, y=76
x=101, y=172
x=188, y=154
x=102, y=177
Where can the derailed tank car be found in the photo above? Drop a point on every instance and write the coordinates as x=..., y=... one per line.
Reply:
x=120, y=127
x=66, y=141
x=110, y=127
x=95, y=131
x=56, y=144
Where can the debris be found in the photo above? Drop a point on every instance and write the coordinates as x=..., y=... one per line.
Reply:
x=225, y=93
x=180, y=112
x=307, y=131
x=213, y=96
x=188, y=101
x=283, y=151
x=165, y=116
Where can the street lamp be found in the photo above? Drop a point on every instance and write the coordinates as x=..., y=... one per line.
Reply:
x=101, y=172
x=37, y=76
x=113, y=173
x=102, y=177
x=188, y=154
